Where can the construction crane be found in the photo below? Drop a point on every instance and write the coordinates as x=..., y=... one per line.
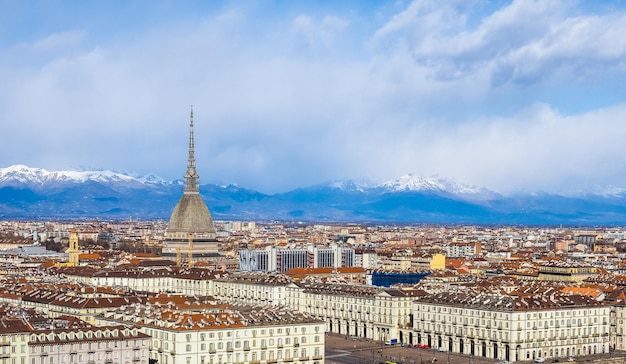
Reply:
x=179, y=258
x=189, y=253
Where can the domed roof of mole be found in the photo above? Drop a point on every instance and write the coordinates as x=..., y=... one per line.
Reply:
x=191, y=215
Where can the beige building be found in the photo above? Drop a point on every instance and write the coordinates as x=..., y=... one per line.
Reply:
x=95, y=345
x=183, y=280
x=558, y=270
x=363, y=311
x=225, y=333
x=14, y=334
x=252, y=288
x=512, y=328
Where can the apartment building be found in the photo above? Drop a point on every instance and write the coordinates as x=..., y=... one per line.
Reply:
x=557, y=270
x=512, y=328
x=461, y=249
x=275, y=259
x=364, y=311
x=90, y=345
x=189, y=281
x=252, y=288
x=225, y=333
x=56, y=301
x=14, y=334
x=28, y=336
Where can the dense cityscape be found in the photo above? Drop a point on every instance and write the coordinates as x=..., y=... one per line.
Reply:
x=383, y=182
x=194, y=291
x=505, y=293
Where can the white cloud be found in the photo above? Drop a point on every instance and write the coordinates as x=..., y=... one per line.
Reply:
x=526, y=41
x=57, y=41
x=311, y=33
x=433, y=91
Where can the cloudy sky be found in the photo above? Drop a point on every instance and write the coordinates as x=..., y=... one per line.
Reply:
x=509, y=95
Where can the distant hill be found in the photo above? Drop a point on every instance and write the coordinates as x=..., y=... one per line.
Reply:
x=34, y=193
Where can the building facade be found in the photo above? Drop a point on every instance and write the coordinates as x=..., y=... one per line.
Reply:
x=239, y=334
x=275, y=259
x=512, y=328
x=363, y=311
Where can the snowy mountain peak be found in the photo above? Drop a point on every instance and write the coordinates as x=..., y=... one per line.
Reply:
x=435, y=183
x=152, y=178
x=21, y=174
x=360, y=184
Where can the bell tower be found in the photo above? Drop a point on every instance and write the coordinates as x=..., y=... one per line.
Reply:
x=73, y=250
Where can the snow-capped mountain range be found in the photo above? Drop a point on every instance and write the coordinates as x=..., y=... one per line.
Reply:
x=38, y=176
x=27, y=192
x=21, y=174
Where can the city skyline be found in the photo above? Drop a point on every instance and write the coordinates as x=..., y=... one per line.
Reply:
x=521, y=95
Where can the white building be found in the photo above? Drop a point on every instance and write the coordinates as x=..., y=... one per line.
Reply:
x=274, y=259
x=252, y=288
x=14, y=341
x=363, y=311
x=225, y=333
x=188, y=281
x=513, y=328
x=96, y=345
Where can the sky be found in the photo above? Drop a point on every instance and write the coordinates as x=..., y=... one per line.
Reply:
x=513, y=96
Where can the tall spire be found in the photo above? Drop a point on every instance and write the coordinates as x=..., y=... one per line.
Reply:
x=191, y=177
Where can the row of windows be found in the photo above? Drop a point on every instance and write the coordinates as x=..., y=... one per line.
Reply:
x=158, y=334
x=467, y=312
x=504, y=335
x=246, y=343
x=229, y=358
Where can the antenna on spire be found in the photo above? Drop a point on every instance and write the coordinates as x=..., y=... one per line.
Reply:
x=191, y=177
